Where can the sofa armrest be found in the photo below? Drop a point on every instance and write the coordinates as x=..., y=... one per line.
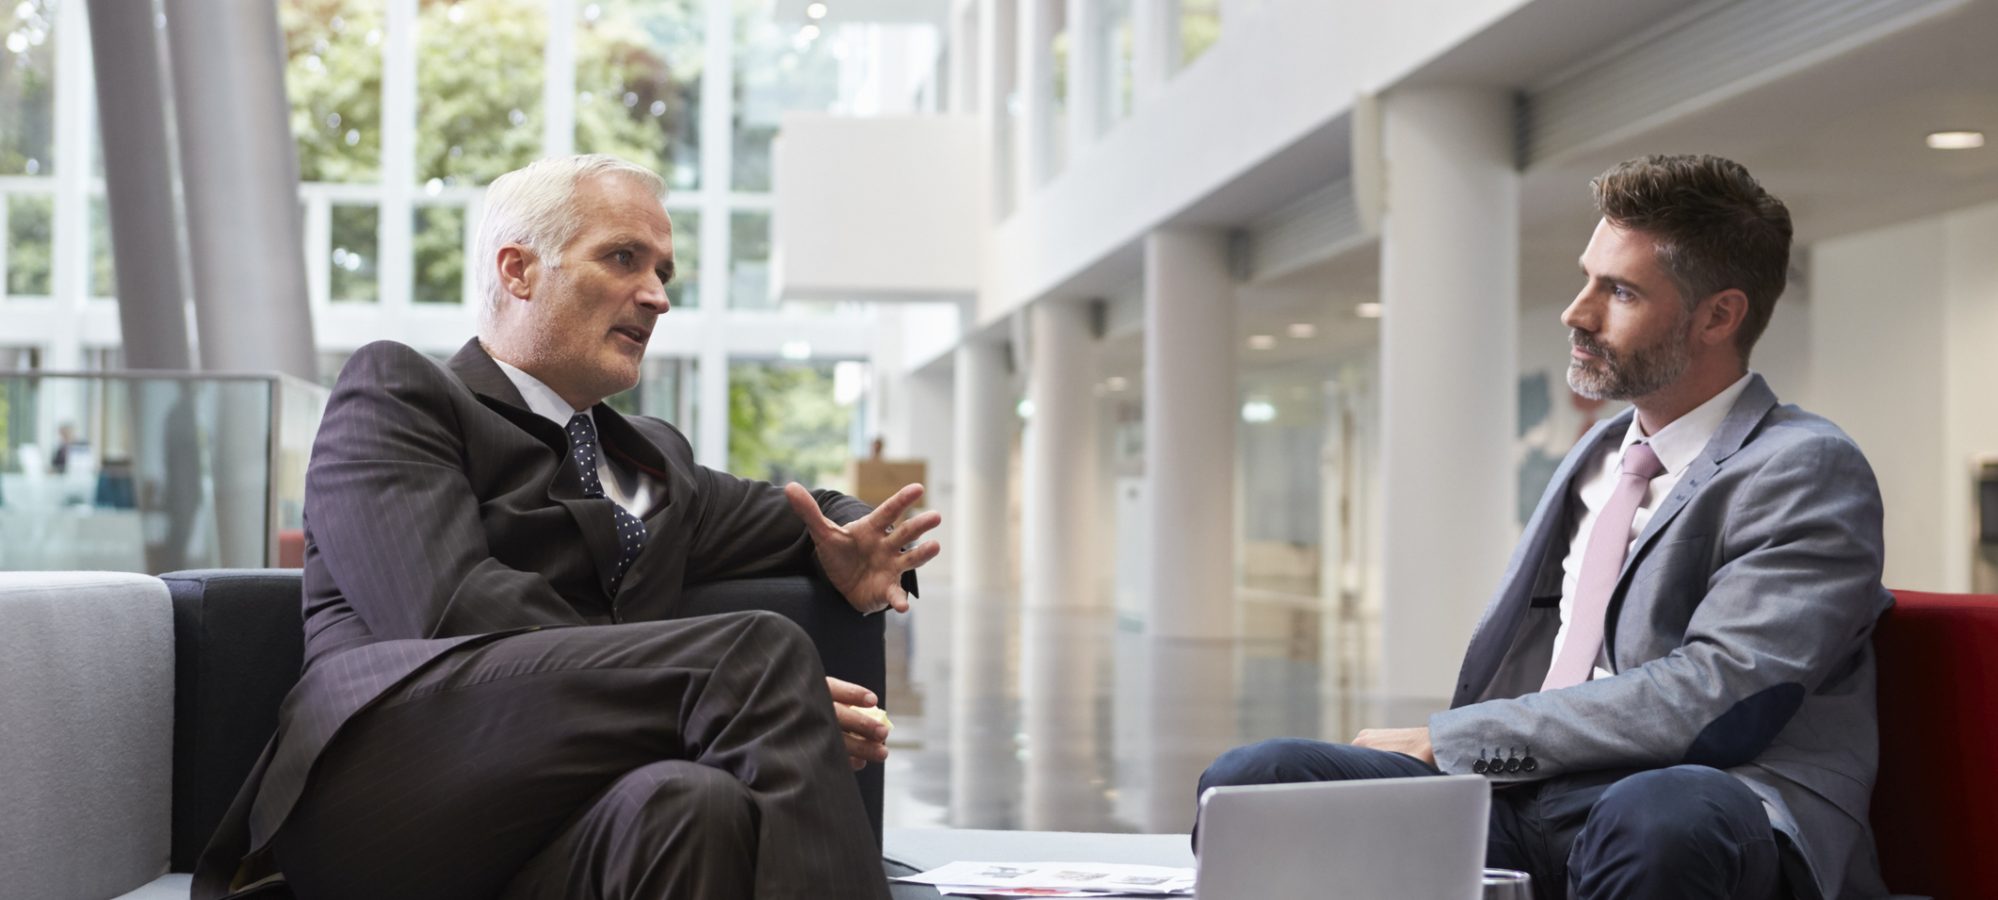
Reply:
x=239, y=643
x=850, y=645
x=86, y=732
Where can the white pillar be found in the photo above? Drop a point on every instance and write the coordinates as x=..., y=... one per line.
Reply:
x=1449, y=367
x=1057, y=565
x=1190, y=434
x=1033, y=136
x=984, y=425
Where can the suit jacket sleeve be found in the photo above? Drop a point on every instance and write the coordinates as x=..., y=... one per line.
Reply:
x=746, y=528
x=389, y=508
x=1794, y=596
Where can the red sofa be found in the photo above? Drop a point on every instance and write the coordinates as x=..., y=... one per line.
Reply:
x=1935, y=809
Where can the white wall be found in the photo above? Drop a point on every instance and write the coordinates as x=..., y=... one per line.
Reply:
x=1902, y=322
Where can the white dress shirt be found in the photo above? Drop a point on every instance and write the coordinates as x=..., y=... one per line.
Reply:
x=633, y=490
x=1677, y=446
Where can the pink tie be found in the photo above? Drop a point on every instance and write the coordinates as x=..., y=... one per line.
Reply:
x=1602, y=563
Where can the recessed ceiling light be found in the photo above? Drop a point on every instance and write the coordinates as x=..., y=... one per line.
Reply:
x=1368, y=310
x=1261, y=341
x=1116, y=383
x=795, y=350
x=1955, y=140
x=1303, y=330
x=815, y=11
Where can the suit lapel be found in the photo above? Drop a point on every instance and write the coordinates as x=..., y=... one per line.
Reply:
x=1494, y=636
x=593, y=516
x=1755, y=402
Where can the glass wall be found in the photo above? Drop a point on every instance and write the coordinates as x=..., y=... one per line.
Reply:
x=794, y=420
x=153, y=474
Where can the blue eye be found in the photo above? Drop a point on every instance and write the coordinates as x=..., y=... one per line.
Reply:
x=623, y=257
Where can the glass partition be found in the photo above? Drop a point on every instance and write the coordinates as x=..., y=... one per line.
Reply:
x=153, y=471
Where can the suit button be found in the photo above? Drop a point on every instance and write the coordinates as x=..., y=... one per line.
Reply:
x=1480, y=767
x=1529, y=764
x=1512, y=765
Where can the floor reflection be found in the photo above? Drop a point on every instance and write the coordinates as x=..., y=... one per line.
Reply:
x=1070, y=720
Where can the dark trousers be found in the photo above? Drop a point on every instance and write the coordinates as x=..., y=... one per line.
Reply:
x=696, y=758
x=1670, y=834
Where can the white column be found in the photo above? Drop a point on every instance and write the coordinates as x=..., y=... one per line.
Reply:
x=984, y=424
x=1085, y=74
x=1032, y=134
x=1449, y=333
x=1057, y=565
x=1190, y=434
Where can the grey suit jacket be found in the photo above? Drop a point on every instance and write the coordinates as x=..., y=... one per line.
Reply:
x=1740, y=633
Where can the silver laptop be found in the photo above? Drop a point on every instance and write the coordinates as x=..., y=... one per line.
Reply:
x=1381, y=839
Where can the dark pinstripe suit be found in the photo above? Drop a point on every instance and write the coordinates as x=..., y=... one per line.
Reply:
x=462, y=742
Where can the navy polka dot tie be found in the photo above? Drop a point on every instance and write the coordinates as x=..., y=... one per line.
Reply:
x=630, y=531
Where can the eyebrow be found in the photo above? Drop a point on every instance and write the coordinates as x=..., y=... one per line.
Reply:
x=1613, y=279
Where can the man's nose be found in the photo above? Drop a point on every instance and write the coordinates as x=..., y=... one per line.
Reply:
x=1580, y=314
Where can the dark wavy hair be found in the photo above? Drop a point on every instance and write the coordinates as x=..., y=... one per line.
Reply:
x=1713, y=225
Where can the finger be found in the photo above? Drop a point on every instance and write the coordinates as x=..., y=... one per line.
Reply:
x=807, y=510
x=898, y=599
x=892, y=509
x=853, y=724
x=849, y=693
x=859, y=748
x=909, y=532
x=921, y=554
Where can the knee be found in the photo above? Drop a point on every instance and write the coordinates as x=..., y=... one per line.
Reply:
x=673, y=794
x=1274, y=761
x=776, y=632
x=1669, y=817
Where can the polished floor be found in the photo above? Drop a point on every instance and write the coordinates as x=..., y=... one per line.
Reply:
x=1074, y=720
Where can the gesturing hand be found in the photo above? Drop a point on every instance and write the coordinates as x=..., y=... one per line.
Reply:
x=864, y=558
x=866, y=739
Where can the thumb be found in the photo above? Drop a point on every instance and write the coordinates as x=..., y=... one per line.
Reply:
x=807, y=510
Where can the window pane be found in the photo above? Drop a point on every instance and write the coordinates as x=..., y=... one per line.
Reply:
x=30, y=247
x=749, y=261
x=355, y=238
x=438, y=235
x=27, y=88
x=103, y=277
x=685, y=291
x=1199, y=28
x=638, y=85
x=784, y=423
x=478, y=88
x=791, y=65
x=333, y=72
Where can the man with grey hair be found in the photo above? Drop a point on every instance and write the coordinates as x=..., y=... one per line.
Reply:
x=497, y=699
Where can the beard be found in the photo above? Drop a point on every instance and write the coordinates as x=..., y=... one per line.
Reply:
x=1627, y=374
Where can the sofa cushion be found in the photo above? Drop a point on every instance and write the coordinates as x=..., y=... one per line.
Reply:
x=86, y=732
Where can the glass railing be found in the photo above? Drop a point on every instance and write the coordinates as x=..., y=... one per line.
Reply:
x=153, y=471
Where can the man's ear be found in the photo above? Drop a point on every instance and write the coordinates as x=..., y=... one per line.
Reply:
x=1720, y=317
x=519, y=270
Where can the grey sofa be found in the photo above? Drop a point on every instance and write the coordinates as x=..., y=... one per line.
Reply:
x=132, y=707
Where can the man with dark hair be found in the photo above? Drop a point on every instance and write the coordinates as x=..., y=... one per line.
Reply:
x=1672, y=690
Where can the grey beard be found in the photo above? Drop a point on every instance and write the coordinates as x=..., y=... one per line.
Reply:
x=1642, y=372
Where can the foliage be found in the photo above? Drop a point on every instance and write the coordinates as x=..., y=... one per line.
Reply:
x=27, y=87
x=783, y=424
x=30, y=244
x=479, y=98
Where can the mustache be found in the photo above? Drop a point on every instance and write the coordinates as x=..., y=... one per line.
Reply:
x=1583, y=342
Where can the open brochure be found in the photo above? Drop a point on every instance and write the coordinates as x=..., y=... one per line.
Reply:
x=1013, y=879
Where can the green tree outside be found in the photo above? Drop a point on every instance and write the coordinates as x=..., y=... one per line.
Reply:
x=784, y=426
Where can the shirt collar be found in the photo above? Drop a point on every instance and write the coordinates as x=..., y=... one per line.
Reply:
x=1679, y=443
x=541, y=398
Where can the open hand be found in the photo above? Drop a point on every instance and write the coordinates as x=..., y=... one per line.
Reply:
x=865, y=558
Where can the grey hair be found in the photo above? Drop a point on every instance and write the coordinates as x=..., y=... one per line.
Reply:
x=532, y=206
